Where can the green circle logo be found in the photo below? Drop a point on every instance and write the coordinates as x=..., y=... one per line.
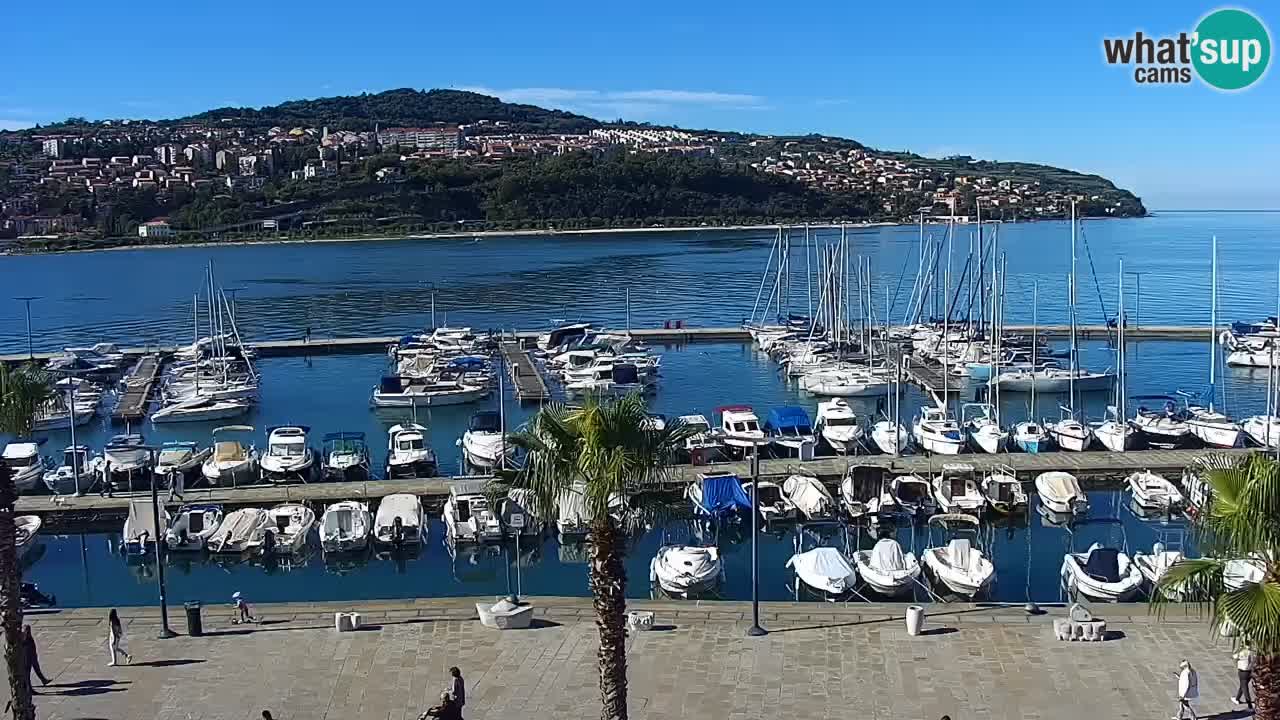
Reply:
x=1232, y=49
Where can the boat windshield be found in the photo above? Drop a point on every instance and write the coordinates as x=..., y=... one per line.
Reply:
x=748, y=426
x=287, y=450
x=770, y=495
x=841, y=421
x=18, y=462
x=409, y=444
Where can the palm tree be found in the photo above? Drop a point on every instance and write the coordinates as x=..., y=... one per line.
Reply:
x=23, y=391
x=603, y=451
x=1239, y=531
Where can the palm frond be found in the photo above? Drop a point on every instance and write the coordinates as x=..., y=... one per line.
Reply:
x=1254, y=612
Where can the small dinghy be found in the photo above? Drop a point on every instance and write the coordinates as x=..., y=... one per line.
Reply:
x=1153, y=492
x=1060, y=493
x=886, y=569
x=1153, y=567
x=825, y=570
x=1004, y=491
x=1102, y=574
x=809, y=496
x=345, y=527
x=241, y=531
x=288, y=526
x=957, y=491
x=193, y=527
x=685, y=570
x=26, y=528
x=140, y=532
x=399, y=521
x=959, y=564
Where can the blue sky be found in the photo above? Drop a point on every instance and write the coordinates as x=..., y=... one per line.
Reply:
x=999, y=80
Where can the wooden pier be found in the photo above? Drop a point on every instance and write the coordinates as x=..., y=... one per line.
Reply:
x=132, y=405
x=526, y=376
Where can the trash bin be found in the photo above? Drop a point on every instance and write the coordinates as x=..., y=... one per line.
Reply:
x=194, y=627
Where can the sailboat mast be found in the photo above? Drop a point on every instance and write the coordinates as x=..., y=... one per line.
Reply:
x=1035, y=343
x=1213, y=324
x=1120, y=394
x=1071, y=292
x=808, y=273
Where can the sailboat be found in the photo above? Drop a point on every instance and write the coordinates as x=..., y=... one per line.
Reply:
x=1212, y=427
x=1114, y=432
x=1029, y=435
x=1264, y=430
x=1069, y=432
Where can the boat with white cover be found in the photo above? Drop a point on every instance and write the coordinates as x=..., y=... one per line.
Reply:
x=1153, y=492
x=959, y=564
x=140, y=533
x=345, y=527
x=178, y=456
x=956, y=489
x=838, y=426
x=886, y=569
x=241, y=531
x=287, y=458
x=809, y=496
x=126, y=462
x=484, y=444
x=1101, y=574
x=192, y=527
x=26, y=466
x=825, y=570
x=231, y=461
x=288, y=526
x=684, y=570
x=467, y=515
x=1060, y=493
x=408, y=454
x=399, y=521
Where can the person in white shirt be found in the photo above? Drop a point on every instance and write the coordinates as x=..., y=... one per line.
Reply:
x=1188, y=690
x=1245, y=659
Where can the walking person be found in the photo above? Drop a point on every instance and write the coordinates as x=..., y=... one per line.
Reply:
x=33, y=657
x=1245, y=660
x=115, y=638
x=1188, y=690
x=457, y=688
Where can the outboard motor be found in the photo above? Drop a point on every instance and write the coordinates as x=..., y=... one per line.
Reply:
x=269, y=542
x=397, y=532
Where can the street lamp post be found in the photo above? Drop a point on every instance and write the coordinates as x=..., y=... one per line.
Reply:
x=755, y=630
x=165, y=630
x=27, y=299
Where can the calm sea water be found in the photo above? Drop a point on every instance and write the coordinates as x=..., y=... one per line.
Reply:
x=704, y=278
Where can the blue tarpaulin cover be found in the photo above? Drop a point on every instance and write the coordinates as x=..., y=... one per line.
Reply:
x=723, y=494
x=788, y=417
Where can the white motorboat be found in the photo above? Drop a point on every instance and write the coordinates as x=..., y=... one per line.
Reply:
x=126, y=460
x=959, y=565
x=1101, y=574
x=287, y=458
x=1262, y=430
x=25, y=530
x=826, y=570
x=288, y=526
x=838, y=426
x=1155, y=564
x=200, y=409
x=467, y=515
x=140, y=532
x=408, y=454
x=1245, y=356
x=399, y=521
x=573, y=521
x=809, y=496
x=843, y=383
x=241, y=531
x=612, y=380
x=182, y=457
x=484, y=444
x=76, y=473
x=1115, y=433
x=1031, y=437
x=890, y=438
x=937, y=432
x=789, y=431
x=345, y=527
x=345, y=457
x=1055, y=380
x=1003, y=490
x=1153, y=492
x=685, y=570
x=1060, y=493
x=705, y=444
x=913, y=495
x=26, y=466
x=886, y=569
x=741, y=427
x=231, y=461
x=773, y=503
x=982, y=428
x=192, y=527
x=1070, y=433
x=395, y=392
x=956, y=489
x=1164, y=427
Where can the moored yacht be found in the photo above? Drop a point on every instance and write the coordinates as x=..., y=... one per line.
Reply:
x=287, y=458
x=26, y=466
x=345, y=457
x=408, y=454
x=937, y=432
x=241, y=531
x=838, y=426
x=231, y=462
x=288, y=526
x=345, y=526
x=484, y=444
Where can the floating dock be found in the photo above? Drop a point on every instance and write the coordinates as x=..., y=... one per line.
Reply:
x=526, y=376
x=1100, y=469
x=132, y=404
x=672, y=336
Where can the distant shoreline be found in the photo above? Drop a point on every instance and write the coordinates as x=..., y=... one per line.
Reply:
x=511, y=233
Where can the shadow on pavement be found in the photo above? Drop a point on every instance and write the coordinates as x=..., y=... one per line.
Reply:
x=167, y=663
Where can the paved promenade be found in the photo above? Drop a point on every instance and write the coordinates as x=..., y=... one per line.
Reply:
x=820, y=661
